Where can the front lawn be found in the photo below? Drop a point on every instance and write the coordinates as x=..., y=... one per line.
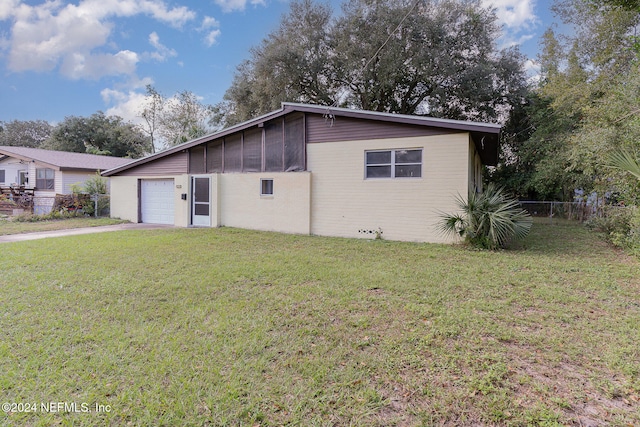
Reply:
x=227, y=327
x=15, y=227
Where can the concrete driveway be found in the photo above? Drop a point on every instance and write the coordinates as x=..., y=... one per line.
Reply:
x=76, y=231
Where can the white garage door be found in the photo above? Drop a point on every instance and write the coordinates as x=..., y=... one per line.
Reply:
x=156, y=200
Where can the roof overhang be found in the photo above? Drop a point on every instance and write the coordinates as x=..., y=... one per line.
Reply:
x=486, y=136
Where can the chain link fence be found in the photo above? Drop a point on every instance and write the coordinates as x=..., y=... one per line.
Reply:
x=578, y=211
x=87, y=204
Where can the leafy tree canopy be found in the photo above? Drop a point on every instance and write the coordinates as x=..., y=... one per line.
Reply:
x=171, y=121
x=98, y=134
x=29, y=133
x=585, y=107
x=414, y=57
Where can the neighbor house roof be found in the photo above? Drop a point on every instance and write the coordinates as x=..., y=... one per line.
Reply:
x=487, y=134
x=63, y=160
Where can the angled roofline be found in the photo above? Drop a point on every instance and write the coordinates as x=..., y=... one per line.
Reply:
x=58, y=160
x=9, y=153
x=291, y=107
x=462, y=125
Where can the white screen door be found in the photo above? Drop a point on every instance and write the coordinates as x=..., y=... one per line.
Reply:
x=201, y=204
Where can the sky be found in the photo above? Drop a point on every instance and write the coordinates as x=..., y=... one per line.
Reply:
x=74, y=58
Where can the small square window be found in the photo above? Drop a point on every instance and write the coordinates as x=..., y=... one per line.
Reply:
x=266, y=187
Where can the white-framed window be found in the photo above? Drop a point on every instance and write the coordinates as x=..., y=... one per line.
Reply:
x=266, y=187
x=2, y=178
x=45, y=179
x=399, y=163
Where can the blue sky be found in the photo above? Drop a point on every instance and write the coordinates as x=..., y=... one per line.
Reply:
x=61, y=58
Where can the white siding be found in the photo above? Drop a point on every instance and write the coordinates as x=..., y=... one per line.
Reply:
x=11, y=167
x=346, y=204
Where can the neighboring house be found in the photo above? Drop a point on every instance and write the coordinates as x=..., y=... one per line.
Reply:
x=47, y=172
x=312, y=169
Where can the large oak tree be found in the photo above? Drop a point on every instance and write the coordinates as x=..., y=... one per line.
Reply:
x=435, y=57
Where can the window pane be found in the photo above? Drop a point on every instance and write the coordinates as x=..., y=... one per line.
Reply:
x=2, y=175
x=378, y=157
x=267, y=187
x=273, y=147
x=214, y=157
x=294, y=144
x=414, y=171
x=378, y=171
x=50, y=173
x=201, y=209
x=196, y=160
x=201, y=190
x=252, y=151
x=232, y=154
x=409, y=156
x=41, y=173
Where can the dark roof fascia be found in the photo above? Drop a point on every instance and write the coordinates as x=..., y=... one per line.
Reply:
x=71, y=169
x=398, y=118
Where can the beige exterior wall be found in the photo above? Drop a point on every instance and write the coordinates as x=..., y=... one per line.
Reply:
x=124, y=197
x=241, y=204
x=346, y=204
x=333, y=198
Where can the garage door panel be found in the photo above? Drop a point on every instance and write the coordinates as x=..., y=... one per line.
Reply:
x=157, y=201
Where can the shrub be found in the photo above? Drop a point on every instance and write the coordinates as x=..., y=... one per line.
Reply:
x=53, y=215
x=95, y=186
x=621, y=225
x=489, y=220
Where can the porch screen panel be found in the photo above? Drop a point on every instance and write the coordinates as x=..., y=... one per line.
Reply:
x=196, y=160
x=273, y=147
x=233, y=154
x=252, y=151
x=294, y=144
x=214, y=157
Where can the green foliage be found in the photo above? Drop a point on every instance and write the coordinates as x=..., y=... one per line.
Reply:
x=488, y=220
x=96, y=186
x=171, y=121
x=625, y=161
x=621, y=225
x=53, y=215
x=98, y=134
x=585, y=107
x=29, y=133
x=426, y=57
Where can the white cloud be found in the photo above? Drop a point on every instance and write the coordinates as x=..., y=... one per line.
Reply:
x=517, y=14
x=76, y=37
x=233, y=5
x=162, y=52
x=79, y=66
x=127, y=105
x=210, y=27
x=7, y=8
x=517, y=17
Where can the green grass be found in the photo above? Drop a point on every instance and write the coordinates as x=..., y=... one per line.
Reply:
x=15, y=227
x=229, y=327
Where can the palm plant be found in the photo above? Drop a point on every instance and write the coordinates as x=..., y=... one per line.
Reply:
x=488, y=220
x=624, y=160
